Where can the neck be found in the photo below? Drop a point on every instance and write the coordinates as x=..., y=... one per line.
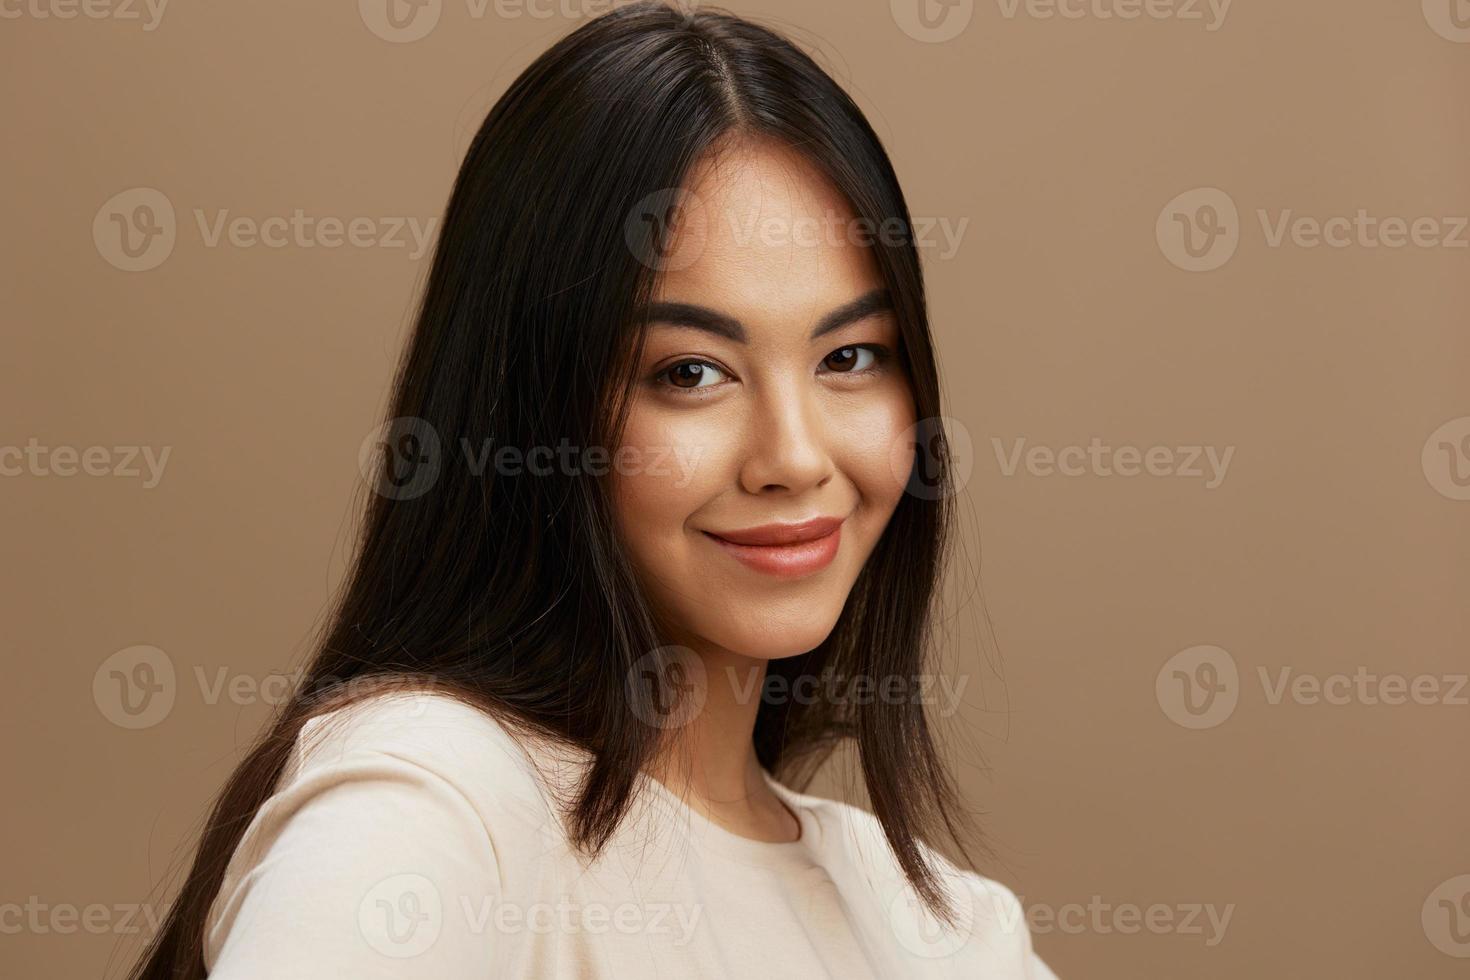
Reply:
x=713, y=754
x=710, y=761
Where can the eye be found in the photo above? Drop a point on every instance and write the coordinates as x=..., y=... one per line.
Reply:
x=850, y=360
x=690, y=374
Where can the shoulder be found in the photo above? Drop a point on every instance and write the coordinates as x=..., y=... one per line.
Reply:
x=395, y=800
x=420, y=721
x=463, y=747
x=459, y=742
x=990, y=935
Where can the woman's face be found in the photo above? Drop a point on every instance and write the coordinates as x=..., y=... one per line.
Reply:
x=769, y=401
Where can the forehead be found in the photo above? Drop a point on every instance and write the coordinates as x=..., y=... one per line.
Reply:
x=765, y=236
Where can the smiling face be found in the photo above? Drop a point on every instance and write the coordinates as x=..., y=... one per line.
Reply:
x=771, y=387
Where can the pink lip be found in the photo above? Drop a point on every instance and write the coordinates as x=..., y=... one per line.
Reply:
x=784, y=550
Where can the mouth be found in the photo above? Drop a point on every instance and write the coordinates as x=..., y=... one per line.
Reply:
x=784, y=550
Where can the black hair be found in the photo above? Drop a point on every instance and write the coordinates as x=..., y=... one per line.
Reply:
x=511, y=591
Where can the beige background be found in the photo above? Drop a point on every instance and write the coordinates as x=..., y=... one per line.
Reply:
x=1329, y=547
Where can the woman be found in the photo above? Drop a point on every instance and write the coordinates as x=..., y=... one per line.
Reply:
x=650, y=527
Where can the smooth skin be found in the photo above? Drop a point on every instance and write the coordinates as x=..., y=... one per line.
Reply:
x=782, y=425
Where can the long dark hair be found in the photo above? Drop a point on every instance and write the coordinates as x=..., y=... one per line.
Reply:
x=510, y=591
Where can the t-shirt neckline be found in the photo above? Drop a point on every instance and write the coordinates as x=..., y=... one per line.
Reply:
x=710, y=836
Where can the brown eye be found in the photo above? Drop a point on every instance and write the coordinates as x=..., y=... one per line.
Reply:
x=845, y=360
x=690, y=374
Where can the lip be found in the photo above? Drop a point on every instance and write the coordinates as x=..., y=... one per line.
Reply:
x=784, y=550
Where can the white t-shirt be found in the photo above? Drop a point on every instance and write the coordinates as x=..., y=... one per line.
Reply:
x=411, y=836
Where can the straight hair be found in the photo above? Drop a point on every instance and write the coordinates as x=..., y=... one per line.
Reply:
x=511, y=592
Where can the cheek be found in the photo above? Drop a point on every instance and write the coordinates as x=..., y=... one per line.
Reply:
x=876, y=434
x=665, y=469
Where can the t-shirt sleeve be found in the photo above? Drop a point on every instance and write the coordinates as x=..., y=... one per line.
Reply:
x=365, y=863
x=1000, y=913
x=1038, y=970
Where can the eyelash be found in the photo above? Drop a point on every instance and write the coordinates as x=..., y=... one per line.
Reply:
x=881, y=355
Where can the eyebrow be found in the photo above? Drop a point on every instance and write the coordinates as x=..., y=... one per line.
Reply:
x=720, y=324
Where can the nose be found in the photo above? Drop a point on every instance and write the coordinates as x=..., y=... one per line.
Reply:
x=787, y=450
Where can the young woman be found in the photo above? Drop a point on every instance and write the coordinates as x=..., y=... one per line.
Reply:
x=660, y=513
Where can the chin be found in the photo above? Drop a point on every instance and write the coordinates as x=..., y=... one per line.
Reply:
x=774, y=635
x=791, y=643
